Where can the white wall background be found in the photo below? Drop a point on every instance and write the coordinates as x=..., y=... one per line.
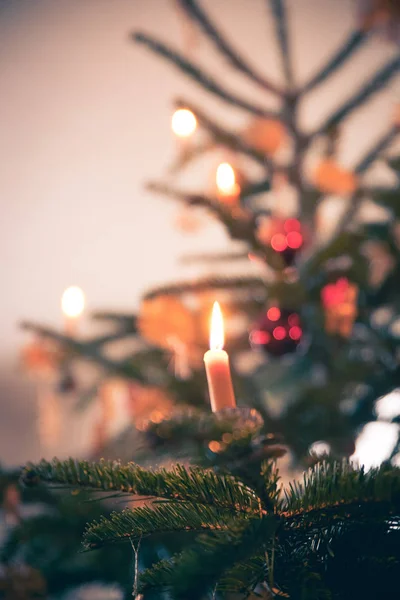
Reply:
x=85, y=120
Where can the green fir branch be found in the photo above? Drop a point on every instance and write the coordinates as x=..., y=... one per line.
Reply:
x=159, y=575
x=363, y=165
x=179, y=484
x=341, y=485
x=240, y=224
x=383, y=143
x=215, y=257
x=280, y=17
x=377, y=82
x=345, y=242
x=214, y=34
x=198, y=569
x=244, y=576
x=354, y=42
x=199, y=76
x=89, y=350
x=388, y=198
x=167, y=517
x=209, y=283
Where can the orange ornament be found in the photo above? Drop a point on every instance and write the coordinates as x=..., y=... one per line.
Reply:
x=331, y=178
x=266, y=135
x=165, y=317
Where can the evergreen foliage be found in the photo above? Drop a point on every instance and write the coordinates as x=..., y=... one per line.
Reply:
x=288, y=542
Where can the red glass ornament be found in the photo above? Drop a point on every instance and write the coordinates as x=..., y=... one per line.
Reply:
x=278, y=332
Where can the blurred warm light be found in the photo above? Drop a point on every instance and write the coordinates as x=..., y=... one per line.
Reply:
x=214, y=446
x=278, y=242
x=259, y=337
x=320, y=448
x=184, y=122
x=273, y=313
x=388, y=407
x=294, y=240
x=279, y=333
x=73, y=302
x=395, y=328
x=217, y=328
x=226, y=179
x=295, y=332
x=375, y=443
x=292, y=225
x=156, y=416
x=382, y=316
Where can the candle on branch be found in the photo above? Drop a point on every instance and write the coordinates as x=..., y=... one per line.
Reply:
x=228, y=189
x=72, y=305
x=217, y=365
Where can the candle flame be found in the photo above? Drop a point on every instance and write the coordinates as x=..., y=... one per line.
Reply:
x=226, y=179
x=73, y=302
x=217, y=328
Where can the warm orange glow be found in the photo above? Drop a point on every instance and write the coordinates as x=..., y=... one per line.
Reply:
x=214, y=446
x=183, y=123
x=73, y=302
x=226, y=179
x=217, y=328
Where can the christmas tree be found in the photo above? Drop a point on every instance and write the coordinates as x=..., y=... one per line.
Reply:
x=315, y=317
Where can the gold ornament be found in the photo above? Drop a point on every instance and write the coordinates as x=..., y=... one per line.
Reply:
x=164, y=317
x=331, y=178
x=266, y=135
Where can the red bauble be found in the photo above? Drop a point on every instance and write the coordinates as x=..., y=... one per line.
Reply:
x=278, y=332
x=285, y=236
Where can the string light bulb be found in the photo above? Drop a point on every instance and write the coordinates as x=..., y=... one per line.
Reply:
x=73, y=302
x=184, y=123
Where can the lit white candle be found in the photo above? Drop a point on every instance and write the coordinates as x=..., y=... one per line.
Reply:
x=72, y=305
x=217, y=366
x=228, y=189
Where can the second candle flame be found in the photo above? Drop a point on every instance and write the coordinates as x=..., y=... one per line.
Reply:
x=217, y=328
